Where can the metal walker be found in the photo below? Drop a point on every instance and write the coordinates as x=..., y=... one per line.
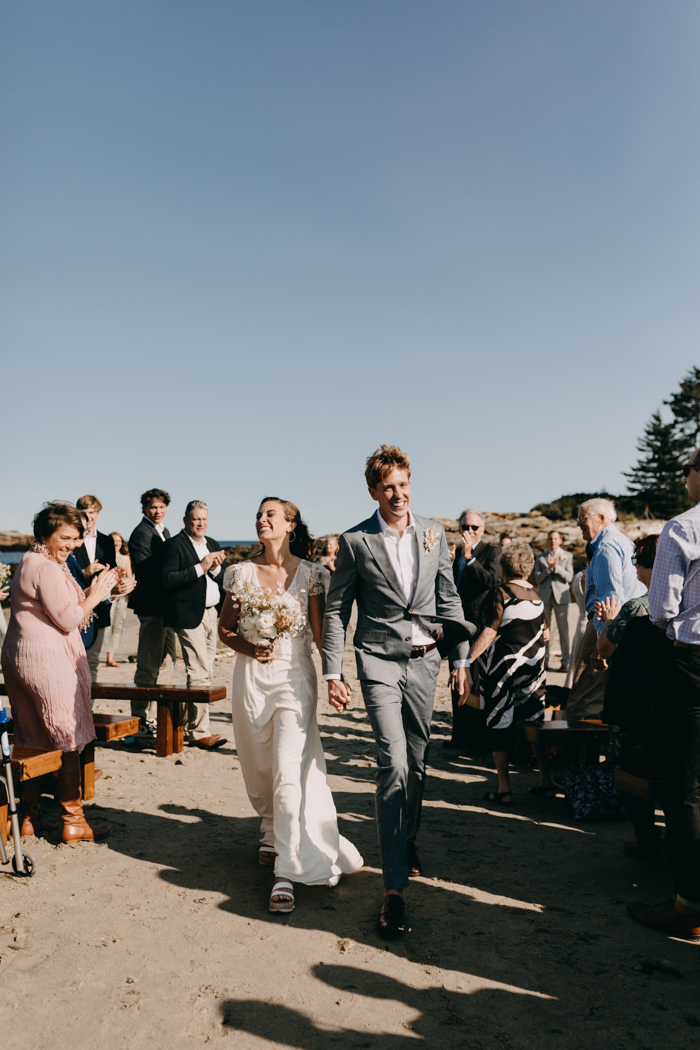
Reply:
x=23, y=863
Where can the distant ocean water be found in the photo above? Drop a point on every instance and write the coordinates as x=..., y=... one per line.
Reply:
x=14, y=557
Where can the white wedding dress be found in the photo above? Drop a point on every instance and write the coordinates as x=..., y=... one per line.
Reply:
x=279, y=746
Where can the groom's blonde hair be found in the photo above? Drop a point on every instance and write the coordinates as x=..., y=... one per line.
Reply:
x=383, y=461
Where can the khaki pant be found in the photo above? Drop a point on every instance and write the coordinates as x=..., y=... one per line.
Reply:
x=157, y=653
x=587, y=695
x=561, y=613
x=93, y=653
x=198, y=646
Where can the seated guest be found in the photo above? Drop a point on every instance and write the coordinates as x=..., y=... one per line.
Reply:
x=191, y=575
x=554, y=571
x=44, y=663
x=156, y=647
x=636, y=651
x=113, y=636
x=475, y=570
x=95, y=554
x=510, y=654
x=611, y=574
x=674, y=606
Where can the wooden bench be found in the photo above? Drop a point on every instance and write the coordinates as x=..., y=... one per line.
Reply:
x=107, y=728
x=641, y=783
x=170, y=699
x=585, y=736
x=28, y=763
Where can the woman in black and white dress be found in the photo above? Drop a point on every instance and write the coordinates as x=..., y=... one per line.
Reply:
x=511, y=652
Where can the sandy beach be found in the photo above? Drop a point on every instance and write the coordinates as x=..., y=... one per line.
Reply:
x=160, y=937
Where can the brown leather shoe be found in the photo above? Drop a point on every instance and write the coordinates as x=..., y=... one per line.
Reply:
x=665, y=919
x=34, y=822
x=209, y=743
x=391, y=923
x=69, y=795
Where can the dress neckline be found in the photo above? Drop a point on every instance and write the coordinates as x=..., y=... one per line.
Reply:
x=257, y=578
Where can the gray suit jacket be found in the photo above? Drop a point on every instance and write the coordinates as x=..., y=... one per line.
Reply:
x=555, y=585
x=364, y=573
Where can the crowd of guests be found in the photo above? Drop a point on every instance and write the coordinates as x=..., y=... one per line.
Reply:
x=633, y=662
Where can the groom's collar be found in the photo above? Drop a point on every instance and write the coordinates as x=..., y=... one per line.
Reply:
x=383, y=525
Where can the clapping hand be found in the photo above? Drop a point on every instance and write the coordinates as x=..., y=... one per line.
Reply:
x=102, y=584
x=608, y=610
x=212, y=560
x=93, y=568
x=125, y=584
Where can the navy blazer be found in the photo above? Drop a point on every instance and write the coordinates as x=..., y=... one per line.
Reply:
x=185, y=591
x=105, y=554
x=146, y=550
x=89, y=633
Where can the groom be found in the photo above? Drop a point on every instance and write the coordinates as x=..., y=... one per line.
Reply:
x=397, y=567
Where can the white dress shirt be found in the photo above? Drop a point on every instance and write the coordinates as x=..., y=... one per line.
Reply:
x=90, y=545
x=403, y=555
x=202, y=550
x=674, y=594
x=160, y=529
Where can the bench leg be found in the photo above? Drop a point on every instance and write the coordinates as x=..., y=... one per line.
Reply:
x=178, y=728
x=164, y=739
x=87, y=762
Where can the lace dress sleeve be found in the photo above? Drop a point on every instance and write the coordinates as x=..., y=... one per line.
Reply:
x=234, y=576
x=319, y=579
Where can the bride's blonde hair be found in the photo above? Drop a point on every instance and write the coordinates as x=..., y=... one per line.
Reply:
x=302, y=545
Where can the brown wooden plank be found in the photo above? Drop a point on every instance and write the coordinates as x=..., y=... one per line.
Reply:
x=178, y=728
x=640, y=784
x=31, y=762
x=87, y=762
x=4, y=824
x=164, y=735
x=158, y=692
x=114, y=727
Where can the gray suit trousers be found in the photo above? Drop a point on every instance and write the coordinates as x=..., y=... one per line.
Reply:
x=400, y=717
x=561, y=613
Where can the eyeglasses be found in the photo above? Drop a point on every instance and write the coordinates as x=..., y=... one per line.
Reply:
x=470, y=528
x=687, y=469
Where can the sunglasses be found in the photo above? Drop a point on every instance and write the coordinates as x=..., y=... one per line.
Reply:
x=470, y=528
x=687, y=469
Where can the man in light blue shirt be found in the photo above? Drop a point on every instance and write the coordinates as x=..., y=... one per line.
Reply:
x=611, y=574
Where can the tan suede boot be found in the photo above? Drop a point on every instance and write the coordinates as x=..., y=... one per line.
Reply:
x=70, y=796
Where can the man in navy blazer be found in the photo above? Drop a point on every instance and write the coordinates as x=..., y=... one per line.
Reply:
x=157, y=651
x=191, y=575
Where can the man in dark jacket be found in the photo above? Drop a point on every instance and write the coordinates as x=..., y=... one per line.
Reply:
x=156, y=641
x=191, y=575
x=97, y=553
x=476, y=570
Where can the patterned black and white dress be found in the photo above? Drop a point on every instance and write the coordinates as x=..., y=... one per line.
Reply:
x=512, y=668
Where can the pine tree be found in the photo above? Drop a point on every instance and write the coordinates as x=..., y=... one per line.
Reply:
x=657, y=478
x=685, y=406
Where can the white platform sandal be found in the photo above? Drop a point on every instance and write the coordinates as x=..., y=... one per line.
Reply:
x=266, y=855
x=282, y=889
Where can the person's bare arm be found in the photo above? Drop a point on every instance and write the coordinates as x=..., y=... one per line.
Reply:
x=317, y=606
x=482, y=643
x=228, y=626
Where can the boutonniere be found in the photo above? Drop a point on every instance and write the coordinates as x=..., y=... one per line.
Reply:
x=431, y=539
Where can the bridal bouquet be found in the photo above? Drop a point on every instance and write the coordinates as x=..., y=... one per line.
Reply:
x=5, y=572
x=266, y=616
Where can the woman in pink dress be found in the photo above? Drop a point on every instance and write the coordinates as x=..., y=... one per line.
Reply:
x=44, y=663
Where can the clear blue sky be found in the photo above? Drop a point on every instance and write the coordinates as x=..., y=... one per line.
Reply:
x=246, y=242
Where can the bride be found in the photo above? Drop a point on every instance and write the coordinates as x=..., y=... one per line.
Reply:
x=274, y=709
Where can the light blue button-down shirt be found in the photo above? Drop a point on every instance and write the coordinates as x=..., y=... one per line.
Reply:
x=674, y=594
x=611, y=573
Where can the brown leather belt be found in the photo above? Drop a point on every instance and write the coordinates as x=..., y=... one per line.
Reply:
x=685, y=645
x=420, y=650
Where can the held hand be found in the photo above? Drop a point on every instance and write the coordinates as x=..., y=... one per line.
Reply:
x=339, y=694
x=463, y=684
x=212, y=560
x=597, y=662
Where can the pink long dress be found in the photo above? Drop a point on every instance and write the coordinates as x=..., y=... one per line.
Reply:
x=43, y=659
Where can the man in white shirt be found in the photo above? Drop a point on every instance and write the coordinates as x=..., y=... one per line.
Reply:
x=191, y=574
x=97, y=553
x=396, y=566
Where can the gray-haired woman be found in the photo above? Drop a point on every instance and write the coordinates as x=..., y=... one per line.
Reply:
x=511, y=648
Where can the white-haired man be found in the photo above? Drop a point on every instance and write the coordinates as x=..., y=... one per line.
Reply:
x=611, y=574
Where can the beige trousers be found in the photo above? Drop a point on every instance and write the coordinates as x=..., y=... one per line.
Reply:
x=198, y=646
x=156, y=658
x=561, y=613
x=587, y=695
